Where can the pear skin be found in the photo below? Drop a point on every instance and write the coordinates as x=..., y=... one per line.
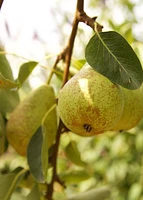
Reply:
x=89, y=103
x=27, y=117
x=133, y=109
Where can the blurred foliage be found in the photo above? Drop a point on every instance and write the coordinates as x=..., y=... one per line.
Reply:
x=114, y=159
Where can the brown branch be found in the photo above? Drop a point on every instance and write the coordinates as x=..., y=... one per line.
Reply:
x=60, y=57
x=70, y=45
x=80, y=6
x=1, y=2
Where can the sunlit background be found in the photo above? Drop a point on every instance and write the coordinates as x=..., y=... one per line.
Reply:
x=39, y=30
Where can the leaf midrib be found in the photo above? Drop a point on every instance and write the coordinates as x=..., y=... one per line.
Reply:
x=106, y=47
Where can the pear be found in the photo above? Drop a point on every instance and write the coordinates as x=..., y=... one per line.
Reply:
x=133, y=109
x=27, y=117
x=89, y=103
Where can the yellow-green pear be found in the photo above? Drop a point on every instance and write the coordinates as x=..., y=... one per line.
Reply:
x=133, y=109
x=89, y=103
x=27, y=117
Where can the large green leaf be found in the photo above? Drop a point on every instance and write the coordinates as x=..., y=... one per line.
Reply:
x=111, y=55
x=25, y=71
x=34, y=155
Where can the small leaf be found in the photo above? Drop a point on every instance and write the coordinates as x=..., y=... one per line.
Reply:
x=73, y=154
x=111, y=55
x=34, y=194
x=78, y=64
x=5, y=68
x=34, y=155
x=25, y=71
x=74, y=176
x=49, y=127
x=6, y=83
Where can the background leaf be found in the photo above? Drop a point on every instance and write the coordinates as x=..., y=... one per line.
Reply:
x=5, y=183
x=73, y=154
x=8, y=183
x=110, y=54
x=34, y=155
x=94, y=194
x=74, y=176
x=34, y=194
x=25, y=71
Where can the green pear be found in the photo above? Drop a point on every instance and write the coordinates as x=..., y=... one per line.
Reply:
x=89, y=103
x=133, y=109
x=27, y=117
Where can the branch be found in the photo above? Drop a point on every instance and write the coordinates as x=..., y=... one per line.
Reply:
x=80, y=16
x=1, y=2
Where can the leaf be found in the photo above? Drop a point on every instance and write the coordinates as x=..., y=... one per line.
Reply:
x=34, y=194
x=2, y=134
x=5, y=183
x=5, y=68
x=78, y=64
x=8, y=99
x=110, y=54
x=49, y=127
x=74, y=176
x=34, y=156
x=94, y=194
x=135, y=191
x=8, y=183
x=25, y=71
x=6, y=83
x=73, y=154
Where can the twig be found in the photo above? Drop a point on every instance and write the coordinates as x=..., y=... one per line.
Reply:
x=1, y=2
x=60, y=57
